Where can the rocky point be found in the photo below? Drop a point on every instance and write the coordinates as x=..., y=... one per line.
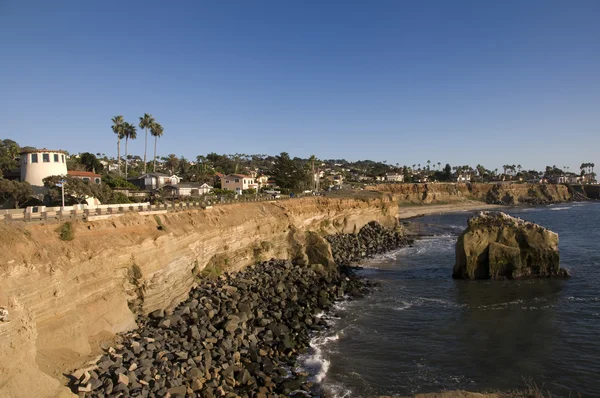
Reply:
x=497, y=246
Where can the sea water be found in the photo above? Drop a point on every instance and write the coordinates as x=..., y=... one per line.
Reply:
x=422, y=331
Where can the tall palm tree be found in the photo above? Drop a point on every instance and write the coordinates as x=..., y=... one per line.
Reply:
x=117, y=128
x=130, y=133
x=157, y=131
x=146, y=123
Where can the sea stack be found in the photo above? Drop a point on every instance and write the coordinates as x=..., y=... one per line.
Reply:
x=498, y=246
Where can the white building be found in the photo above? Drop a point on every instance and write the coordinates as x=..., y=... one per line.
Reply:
x=37, y=164
x=152, y=181
x=395, y=177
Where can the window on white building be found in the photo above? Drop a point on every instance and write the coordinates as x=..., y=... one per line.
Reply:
x=237, y=180
x=63, y=158
x=56, y=158
x=34, y=158
x=97, y=180
x=46, y=157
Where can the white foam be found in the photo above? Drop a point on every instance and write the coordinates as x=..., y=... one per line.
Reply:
x=316, y=363
x=560, y=208
x=404, y=306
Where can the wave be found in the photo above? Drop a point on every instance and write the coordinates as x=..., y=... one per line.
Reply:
x=560, y=208
x=403, y=306
x=315, y=362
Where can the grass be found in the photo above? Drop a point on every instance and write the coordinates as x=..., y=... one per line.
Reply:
x=65, y=231
x=161, y=226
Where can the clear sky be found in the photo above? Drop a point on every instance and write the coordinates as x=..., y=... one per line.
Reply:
x=463, y=82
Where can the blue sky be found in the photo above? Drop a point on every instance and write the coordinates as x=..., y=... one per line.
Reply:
x=463, y=82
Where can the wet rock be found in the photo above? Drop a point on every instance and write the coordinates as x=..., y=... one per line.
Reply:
x=498, y=246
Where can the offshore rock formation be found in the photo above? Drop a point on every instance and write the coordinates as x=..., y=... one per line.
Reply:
x=498, y=246
x=372, y=239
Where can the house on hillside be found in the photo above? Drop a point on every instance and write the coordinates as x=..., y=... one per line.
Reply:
x=153, y=181
x=395, y=177
x=188, y=189
x=462, y=177
x=86, y=176
x=238, y=183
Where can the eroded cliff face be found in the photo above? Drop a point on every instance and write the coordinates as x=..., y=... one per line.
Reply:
x=507, y=194
x=67, y=295
x=93, y=286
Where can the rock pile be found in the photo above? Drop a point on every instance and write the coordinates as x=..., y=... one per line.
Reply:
x=372, y=239
x=498, y=246
x=236, y=336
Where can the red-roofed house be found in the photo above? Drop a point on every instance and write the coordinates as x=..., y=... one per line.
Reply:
x=86, y=176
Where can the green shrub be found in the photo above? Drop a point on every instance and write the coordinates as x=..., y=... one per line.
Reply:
x=66, y=232
x=160, y=227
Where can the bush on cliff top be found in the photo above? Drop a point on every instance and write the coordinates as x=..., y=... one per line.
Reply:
x=65, y=232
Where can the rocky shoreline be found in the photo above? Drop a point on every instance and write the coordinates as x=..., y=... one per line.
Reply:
x=237, y=335
x=372, y=239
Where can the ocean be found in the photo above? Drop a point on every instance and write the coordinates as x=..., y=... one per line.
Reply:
x=421, y=331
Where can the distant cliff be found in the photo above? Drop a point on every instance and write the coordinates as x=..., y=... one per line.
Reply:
x=504, y=194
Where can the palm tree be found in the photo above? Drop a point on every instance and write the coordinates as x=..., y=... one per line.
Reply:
x=157, y=131
x=428, y=164
x=130, y=132
x=439, y=166
x=171, y=162
x=117, y=128
x=146, y=123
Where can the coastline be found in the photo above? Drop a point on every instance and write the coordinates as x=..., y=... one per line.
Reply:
x=407, y=212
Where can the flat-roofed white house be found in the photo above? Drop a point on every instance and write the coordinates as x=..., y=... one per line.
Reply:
x=153, y=181
x=238, y=183
x=395, y=177
x=37, y=164
x=189, y=189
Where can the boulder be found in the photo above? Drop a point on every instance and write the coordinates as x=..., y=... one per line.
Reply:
x=498, y=246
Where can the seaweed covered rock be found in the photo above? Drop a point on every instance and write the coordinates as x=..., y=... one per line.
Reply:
x=498, y=246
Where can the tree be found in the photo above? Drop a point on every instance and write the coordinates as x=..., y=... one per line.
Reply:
x=118, y=128
x=130, y=133
x=9, y=153
x=19, y=192
x=76, y=189
x=171, y=162
x=287, y=173
x=157, y=131
x=146, y=122
x=90, y=162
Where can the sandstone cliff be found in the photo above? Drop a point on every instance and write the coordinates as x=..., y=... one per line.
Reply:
x=71, y=293
x=504, y=194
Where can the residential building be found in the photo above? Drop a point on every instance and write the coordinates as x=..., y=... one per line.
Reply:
x=86, y=176
x=37, y=164
x=189, y=189
x=462, y=177
x=153, y=181
x=395, y=177
x=238, y=183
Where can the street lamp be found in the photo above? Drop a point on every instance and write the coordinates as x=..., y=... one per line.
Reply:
x=61, y=184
